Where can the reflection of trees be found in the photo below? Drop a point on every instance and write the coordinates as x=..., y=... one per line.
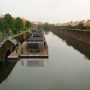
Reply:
x=80, y=46
x=5, y=70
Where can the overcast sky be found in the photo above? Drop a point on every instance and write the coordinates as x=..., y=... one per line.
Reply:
x=52, y=11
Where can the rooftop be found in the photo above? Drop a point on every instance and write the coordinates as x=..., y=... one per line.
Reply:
x=37, y=36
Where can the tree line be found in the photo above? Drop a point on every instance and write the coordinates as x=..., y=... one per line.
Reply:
x=9, y=24
x=79, y=26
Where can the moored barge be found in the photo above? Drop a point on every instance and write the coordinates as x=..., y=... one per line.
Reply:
x=34, y=47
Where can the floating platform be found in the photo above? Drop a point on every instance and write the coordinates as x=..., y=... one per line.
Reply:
x=15, y=54
x=23, y=53
x=34, y=54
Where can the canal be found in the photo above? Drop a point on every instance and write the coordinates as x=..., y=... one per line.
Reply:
x=67, y=68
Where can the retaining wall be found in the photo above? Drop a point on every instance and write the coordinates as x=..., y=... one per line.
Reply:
x=83, y=36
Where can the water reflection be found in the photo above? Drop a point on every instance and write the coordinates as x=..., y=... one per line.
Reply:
x=80, y=46
x=5, y=70
x=60, y=71
x=33, y=63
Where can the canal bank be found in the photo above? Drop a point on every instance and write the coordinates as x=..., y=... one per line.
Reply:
x=9, y=45
x=81, y=35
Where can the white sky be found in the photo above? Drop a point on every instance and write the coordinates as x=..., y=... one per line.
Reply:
x=52, y=11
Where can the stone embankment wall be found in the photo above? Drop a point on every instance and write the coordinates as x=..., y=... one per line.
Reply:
x=22, y=37
x=81, y=35
x=8, y=46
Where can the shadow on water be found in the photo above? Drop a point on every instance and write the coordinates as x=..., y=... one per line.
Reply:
x=77, y=45
x=5, y=70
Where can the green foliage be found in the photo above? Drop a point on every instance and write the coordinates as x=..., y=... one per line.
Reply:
x=8, y=25
x=2, y=26
x=8, y=21
x=46, y=26
x=18, y=24
x=27, y=25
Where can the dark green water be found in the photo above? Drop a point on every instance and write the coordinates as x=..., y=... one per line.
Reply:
x=67, y=68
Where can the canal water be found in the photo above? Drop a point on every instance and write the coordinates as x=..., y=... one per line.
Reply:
x=67, y=68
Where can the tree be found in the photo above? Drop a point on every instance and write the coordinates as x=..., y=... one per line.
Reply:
x=13, y=27
x=24, y=22
x=2, y=27
x=27, y=25
x=87, y=24
x=46, y=26
x=80, y=26
x=18, y=24
x=1, y=24
x=8, y=22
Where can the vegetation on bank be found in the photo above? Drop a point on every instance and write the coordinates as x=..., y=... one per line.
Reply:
x=78, y=25
x=45, y=26
x=10, y=25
